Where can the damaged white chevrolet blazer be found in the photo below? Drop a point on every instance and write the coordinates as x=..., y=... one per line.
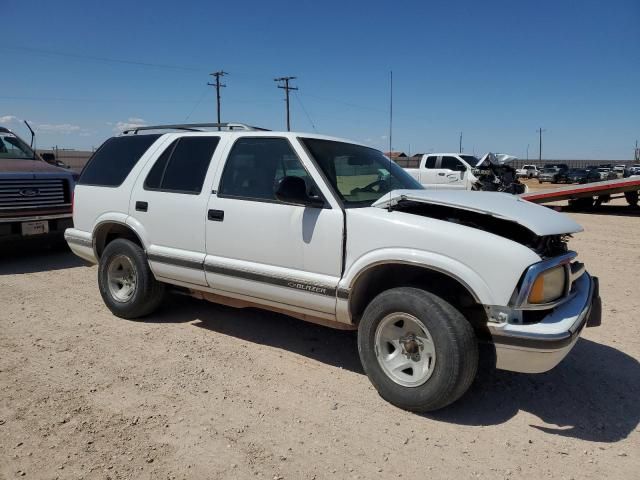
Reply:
x=333, y=232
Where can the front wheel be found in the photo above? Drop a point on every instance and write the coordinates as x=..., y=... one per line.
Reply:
x=419, y=352
x=126, y=282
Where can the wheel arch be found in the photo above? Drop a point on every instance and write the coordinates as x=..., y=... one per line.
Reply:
x=108, y=230
x=380, y=276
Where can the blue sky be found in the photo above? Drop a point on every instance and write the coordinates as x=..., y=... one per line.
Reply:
x=495, y=70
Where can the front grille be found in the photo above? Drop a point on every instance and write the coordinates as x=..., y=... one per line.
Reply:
x=27, y=194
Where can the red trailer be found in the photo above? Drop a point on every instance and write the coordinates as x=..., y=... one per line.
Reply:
x=590, y=194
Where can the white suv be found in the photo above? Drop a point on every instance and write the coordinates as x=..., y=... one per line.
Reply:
x=333, y=232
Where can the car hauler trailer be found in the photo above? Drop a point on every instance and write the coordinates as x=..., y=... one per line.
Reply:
x=588, y=195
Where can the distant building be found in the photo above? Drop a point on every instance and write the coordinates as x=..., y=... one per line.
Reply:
x=394, y=155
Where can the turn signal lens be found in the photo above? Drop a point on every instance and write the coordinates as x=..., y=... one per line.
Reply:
x=549, y=286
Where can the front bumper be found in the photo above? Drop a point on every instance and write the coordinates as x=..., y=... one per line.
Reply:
x=10, y=228
x=537, y=348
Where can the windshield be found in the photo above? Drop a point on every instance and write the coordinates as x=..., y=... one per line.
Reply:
x=549, y=170
x=12, y=147
x=360, y=175
x=577, y=171
x=470, y=159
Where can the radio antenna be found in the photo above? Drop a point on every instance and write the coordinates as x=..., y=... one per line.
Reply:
x=390, y=129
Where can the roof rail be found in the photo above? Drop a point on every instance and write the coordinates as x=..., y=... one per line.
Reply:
x=194, y=127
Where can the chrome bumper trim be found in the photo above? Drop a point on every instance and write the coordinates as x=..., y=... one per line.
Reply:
x=535, y=352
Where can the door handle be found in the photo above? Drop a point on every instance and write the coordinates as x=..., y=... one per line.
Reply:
x=441, y=174
x=215, y=215
x=142, y=206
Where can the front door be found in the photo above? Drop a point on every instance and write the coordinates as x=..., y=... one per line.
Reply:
x=266, y=250
x=450, y=173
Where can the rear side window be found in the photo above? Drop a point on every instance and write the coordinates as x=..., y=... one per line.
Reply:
x=113, y=161
x=431, y=162
x=183, y=165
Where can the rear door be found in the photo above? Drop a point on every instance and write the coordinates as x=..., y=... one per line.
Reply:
x=168, y=205
x=266, y=251
x=450, y=173
x=427, y=171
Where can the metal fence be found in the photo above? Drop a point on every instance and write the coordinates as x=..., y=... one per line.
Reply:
x=413, y=162
x=76, y=159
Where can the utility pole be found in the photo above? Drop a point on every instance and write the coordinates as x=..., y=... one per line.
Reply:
x=460, y=148
x=540, y=130
x=636, y=153
x=218, y=86
x=286, y=88
x=527, y=152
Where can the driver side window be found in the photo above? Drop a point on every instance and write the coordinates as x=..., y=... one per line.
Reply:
x=256, y=165
x=452, y=163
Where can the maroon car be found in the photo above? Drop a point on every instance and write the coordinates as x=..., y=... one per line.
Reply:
x=35, y=197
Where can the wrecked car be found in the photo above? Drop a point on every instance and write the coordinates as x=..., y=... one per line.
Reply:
x=332, y=232
x=460, y=171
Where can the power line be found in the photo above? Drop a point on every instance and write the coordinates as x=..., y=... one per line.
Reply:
x=197, y=104
x=354, y=105
x=286, y=88
x=78, y=56
x=305, y=112
x=218, y=86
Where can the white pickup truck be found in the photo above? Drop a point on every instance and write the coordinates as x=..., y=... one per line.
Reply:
x=332, y=232
x=460, y=171
x=528, y=171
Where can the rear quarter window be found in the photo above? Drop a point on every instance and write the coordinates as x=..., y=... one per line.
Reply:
x=113, y=161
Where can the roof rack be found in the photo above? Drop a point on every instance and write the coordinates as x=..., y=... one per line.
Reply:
x=195, y=127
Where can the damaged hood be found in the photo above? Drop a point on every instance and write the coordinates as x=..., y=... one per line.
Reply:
x=540, y=220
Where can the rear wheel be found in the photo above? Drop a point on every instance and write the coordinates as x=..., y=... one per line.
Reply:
x=126, y=282
x=419, y=352
x=632, y=198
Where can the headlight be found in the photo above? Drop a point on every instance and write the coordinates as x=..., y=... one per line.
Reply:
x=549, y=286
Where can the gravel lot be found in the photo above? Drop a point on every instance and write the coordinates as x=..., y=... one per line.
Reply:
x=201, y=391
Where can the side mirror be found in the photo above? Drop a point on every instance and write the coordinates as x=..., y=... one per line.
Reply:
x=293, y=190
x=459, y=167
x=49, y=158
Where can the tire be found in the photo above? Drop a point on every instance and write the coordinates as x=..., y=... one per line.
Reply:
x=451, y=368
x=136, y=294
x=632, y=198
x=539, y=181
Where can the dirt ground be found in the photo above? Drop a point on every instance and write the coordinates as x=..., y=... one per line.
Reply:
x=202, y=391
